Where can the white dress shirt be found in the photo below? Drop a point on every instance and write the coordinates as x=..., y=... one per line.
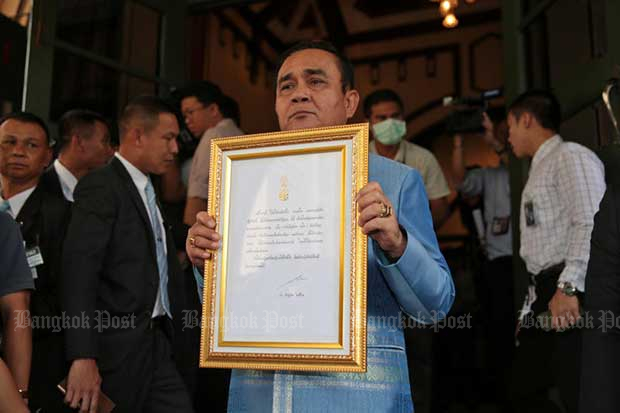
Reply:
x=17, y=201
x=67, y=180
x=423, y=161
x=198, y=185
x=140, y=180
x=564, y=189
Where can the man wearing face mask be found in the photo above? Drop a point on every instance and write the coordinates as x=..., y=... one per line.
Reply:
x=384, y=110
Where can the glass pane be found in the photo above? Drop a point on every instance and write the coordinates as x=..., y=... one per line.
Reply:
x=526, y=6
x=80, y=83
x=140, y=48
x=92, y=25
x=568, y=24
x=537, y=55
x=582, y=128
x=125, y=31
x=12, y=63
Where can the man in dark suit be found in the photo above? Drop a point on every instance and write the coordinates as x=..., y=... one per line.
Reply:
x=83, y=145
x=25, y=153
x=121, y=272
x=600, y=361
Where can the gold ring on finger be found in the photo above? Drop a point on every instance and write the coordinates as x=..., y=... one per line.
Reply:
x=383, y=210
x=386, y=210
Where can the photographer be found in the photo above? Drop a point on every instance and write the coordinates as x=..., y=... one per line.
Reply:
x=492, y=184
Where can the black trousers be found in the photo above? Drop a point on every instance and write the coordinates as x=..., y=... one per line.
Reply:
x=419, y=346
x=150, y=381
x=48, y=368
x=497, y=301
x=546, y=359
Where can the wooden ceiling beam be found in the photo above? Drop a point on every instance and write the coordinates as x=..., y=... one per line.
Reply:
x=426, y=27
x=260, y=30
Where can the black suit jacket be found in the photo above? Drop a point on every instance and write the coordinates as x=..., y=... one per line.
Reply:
x=43, y=220
x=110, y=268
x=51, y=182
x=601, y=344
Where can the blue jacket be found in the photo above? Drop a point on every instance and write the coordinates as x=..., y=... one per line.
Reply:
x=419, y=284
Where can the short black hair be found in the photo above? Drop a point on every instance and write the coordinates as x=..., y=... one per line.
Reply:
x=77, y=122
x=146, y=109
x=27, y=117
x=204, y=91
x=542, y=104
x=344, y=64
x=382, y=95
x=229, y=108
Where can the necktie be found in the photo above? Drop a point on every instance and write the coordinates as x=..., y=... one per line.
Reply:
x=162, y=259
x=5, y=206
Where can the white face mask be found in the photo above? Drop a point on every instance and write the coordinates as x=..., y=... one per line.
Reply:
x=390, y=131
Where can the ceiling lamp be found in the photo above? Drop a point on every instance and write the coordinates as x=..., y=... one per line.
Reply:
x=445, y=7
x=450, y=21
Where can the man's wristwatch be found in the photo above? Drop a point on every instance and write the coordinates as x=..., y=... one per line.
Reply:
x=567, y=288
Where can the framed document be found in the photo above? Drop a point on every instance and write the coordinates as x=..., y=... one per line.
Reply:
x=287, y=288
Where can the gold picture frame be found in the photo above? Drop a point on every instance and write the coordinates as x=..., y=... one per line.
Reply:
x=287, y=288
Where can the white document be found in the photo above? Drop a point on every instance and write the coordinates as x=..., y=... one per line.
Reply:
x=290, y=228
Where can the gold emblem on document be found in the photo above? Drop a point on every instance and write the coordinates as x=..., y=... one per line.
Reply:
x=283, y=195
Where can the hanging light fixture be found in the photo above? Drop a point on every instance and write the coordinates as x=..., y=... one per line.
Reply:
x=447, y=8
x=450, y=21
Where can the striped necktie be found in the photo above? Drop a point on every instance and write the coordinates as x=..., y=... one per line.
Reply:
x=162, y=259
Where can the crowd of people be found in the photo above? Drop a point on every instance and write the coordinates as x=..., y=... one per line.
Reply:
x=109, y=238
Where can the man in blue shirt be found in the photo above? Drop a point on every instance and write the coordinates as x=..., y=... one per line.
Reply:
x=406, y=270
x=15, y=286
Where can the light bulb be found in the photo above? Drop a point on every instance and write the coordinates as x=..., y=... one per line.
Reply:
x=445, y=6
x=450, y=21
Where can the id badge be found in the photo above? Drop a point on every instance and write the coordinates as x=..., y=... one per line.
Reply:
x=34, y=257
x=530, y=299
x=530, y=216
x=500, y=225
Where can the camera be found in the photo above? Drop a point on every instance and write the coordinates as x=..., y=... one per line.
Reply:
x=467, y=116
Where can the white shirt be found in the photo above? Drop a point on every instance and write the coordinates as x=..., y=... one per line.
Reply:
x=423, y=161
x=17, y=201
x=564, y=189
x=67, y=180
x=140, y=180
x=198, y=186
